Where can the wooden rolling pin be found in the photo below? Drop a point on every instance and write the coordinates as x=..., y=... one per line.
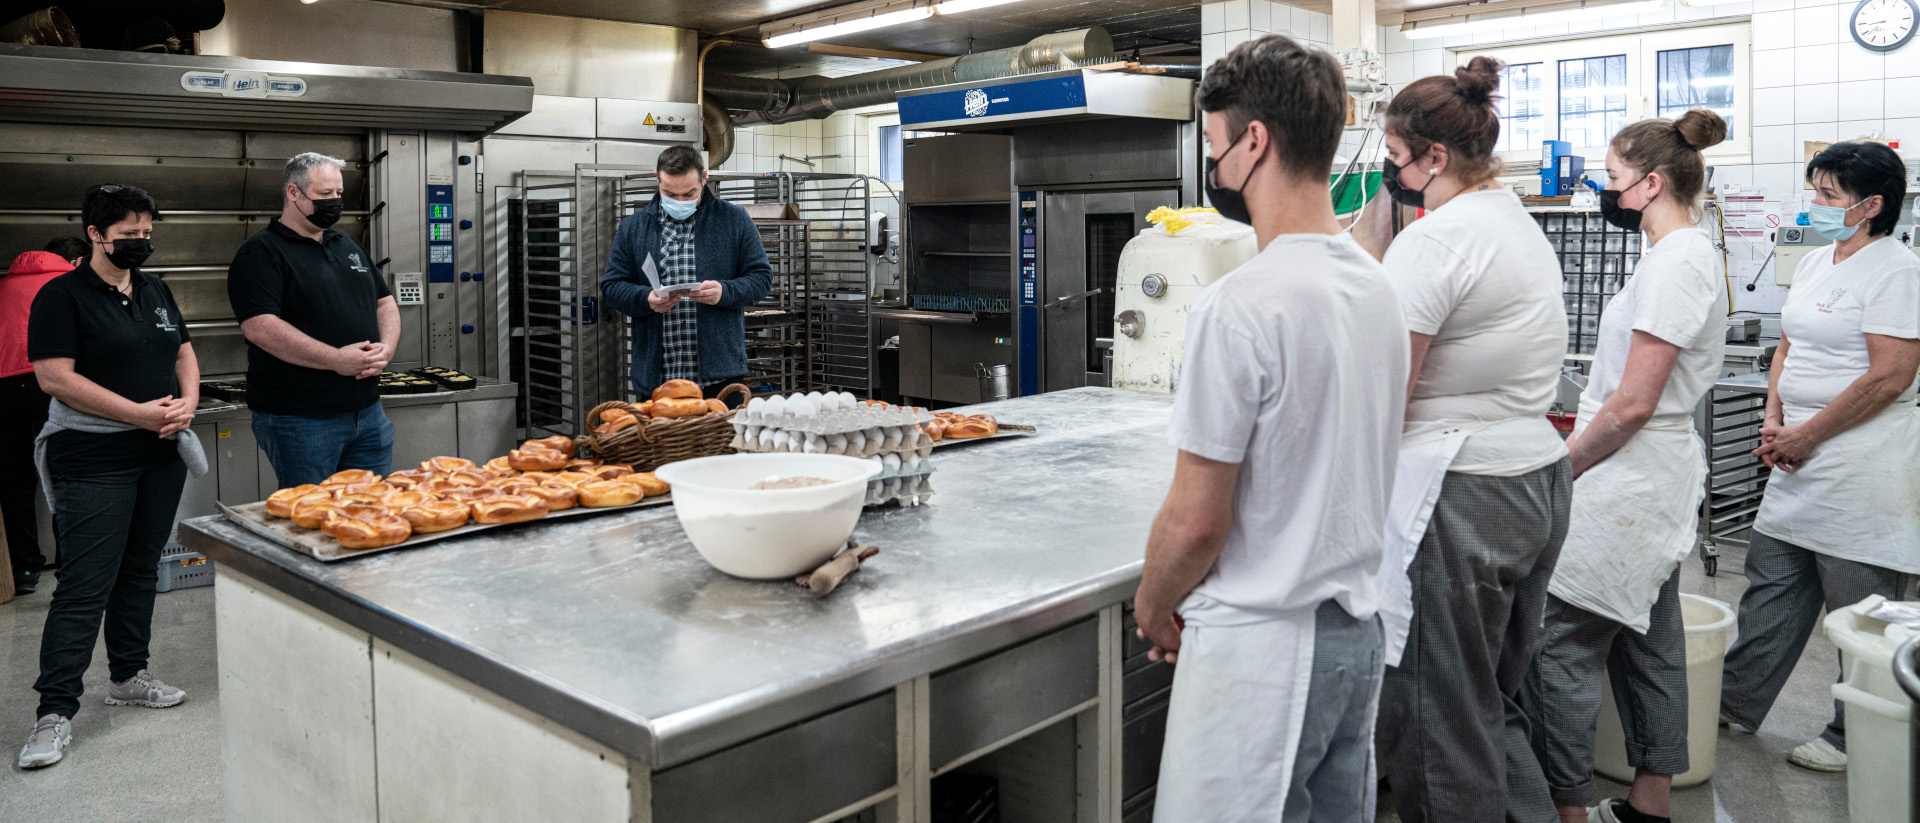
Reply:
x=829, y=577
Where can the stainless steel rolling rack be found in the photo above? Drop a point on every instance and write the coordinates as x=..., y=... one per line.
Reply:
x=574, y=351
x=828, y=243
x=1595, y=259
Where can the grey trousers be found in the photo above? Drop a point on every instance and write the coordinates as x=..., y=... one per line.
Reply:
x=1331, y=780
x=1786, y=588
x=1649, y=675
x=1452, y=741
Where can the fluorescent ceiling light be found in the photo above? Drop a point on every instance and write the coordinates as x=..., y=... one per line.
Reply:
x=1470, y=23
x=958, y=6
x=850, y=25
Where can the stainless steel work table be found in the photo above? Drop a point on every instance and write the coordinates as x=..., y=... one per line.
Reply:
x=614, y=629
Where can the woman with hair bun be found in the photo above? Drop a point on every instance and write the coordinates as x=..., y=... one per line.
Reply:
x=1614, y=603
x=1483, y=486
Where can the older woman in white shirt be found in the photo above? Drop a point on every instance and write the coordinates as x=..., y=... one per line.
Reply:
x=1484, y=482
x=1841, y=517
x=1614, y=603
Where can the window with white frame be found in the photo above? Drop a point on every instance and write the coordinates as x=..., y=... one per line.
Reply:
x=1585, y=90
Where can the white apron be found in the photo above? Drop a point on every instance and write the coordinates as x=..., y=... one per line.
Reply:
x=1239, y=701
x=1857, y=496
x=1424, y=458
x=1634, y=517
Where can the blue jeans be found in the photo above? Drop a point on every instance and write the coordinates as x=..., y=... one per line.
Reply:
x=311, y=449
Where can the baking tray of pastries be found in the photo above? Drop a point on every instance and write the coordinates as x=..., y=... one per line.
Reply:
x=954, y=429
x=356, y=513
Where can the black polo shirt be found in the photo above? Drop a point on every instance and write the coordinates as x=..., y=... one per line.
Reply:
x=126, y=344
x=326, y=289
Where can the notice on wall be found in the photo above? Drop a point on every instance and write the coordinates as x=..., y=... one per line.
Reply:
x=1749, y=219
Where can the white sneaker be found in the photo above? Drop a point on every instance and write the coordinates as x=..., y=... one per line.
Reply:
x=48, y=743
x=1819, y=755
x=144, y=689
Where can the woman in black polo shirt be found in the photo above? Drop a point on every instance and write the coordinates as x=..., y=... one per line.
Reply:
x=107, y=343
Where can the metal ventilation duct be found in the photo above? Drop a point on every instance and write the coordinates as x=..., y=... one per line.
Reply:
x=782, y=101
x=58, y=85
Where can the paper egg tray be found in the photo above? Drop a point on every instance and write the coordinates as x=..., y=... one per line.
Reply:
x=910, y=490
x=833, y=421
x=901, y=440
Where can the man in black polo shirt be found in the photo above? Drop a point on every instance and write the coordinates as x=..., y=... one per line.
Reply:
x=319, y=321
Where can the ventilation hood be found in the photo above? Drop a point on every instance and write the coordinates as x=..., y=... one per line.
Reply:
x=62, y=85
x=1048, y=97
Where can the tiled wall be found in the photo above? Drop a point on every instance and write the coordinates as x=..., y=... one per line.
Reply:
x=758, y=149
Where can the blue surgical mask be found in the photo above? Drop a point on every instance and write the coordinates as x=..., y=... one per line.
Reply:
x=1831, y=221
x=679, y=209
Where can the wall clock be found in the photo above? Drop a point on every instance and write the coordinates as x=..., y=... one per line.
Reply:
x=1884, y=25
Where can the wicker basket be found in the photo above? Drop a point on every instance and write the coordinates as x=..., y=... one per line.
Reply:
x=655, y=443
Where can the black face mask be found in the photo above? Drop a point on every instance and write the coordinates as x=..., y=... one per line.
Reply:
x=1231, y=203
x=130, y=252
x=326, y=211
x=1390, y=180
x=1612, y=212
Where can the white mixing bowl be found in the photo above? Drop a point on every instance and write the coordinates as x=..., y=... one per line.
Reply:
x=768, y=533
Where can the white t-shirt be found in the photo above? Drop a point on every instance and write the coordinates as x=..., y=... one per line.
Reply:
x=1830, y=311
x=1478, y=277
x=1296, y=368
x=1677, y=293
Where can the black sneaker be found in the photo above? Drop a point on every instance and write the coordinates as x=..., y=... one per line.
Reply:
x=26, y=582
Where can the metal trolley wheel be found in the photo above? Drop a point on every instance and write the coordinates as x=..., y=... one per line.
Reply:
x=1710, y=557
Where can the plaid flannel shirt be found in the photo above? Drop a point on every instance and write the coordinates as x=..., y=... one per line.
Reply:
x=680, y=354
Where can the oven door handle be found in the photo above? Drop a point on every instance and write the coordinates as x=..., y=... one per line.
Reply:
x=1068, y=301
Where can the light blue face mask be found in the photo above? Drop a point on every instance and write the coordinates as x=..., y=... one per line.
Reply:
x=1831, y=221
x=679, y=209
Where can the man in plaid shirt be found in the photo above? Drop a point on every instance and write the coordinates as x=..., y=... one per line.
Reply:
x=711, y=266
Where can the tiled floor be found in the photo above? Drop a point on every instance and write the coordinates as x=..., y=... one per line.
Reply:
x=130, y=763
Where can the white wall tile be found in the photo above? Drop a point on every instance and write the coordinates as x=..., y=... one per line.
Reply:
x=1860, y=64
x=1301, y=23
x=1211, y=16
x=1427, y=62
x=1773, y=144
x=1902, y=62
x=1236, y=37
x=1813, y=132
x=1850, y=129
x=1687, y=13
x=1903, y=97
x=1396, y=43
x=1260, y=15
x=1399, y=68
x=1322, y=27
x=1454, y=41
x=1777, y=179
x=1212, y=47
x=1816, y=26
x=1816, y=64
x=1816, y=103
x=1861, y=100
x=1233, y=15
x=1904, y=129
x=1763, y=6
x=1772, y=68
x=1774, y=108
x=1806, y=4
x=1732, y=9
x=1772, y=30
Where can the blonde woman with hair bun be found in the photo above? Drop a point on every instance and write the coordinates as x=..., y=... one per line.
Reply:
x=1613, y=606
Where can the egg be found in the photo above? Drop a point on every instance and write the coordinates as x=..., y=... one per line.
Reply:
x=837, y=444
x=768, y=438
x=890, y=463
x=893, y=436
x=815, y=398
x=755, y=406
x=774, y=407
x=856, y=442
x=800, y=407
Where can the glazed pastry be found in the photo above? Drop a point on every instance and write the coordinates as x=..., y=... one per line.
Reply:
x=582, y=464
x=280, y=503
x=470, y=477
x=676, y=389
x=677, y=407
x=558, y=497
x=610, y=471
x=436, y=515
x=366, y=527
x=410, y=478
x=604, y=493
x=351, y=476
x=311, y=511
x=559, y=443
x=509, y=508
x=648, y=484
x=500, y=467
x=536, y=458
x=443, y=465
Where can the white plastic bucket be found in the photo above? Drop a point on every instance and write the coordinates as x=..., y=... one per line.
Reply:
x=1707, y=621
x=1878, y=713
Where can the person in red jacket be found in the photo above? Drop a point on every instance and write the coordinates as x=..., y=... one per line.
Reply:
x=23, y=408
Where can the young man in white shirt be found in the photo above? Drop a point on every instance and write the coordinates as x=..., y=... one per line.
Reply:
x=1260, y=571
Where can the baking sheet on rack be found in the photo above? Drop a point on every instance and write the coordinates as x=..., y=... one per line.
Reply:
x=1006, y=430
x=312, y=543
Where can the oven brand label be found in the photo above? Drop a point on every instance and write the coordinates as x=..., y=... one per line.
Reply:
x=248, y=84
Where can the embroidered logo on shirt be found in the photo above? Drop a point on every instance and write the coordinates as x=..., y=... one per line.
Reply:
x=1832, y=300
x=166, y=323
x=353, y=258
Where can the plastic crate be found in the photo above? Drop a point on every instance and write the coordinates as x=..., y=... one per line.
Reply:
x=184, y=570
